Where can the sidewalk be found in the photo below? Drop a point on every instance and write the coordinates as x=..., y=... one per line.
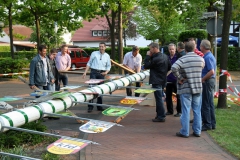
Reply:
x=138, y=139
x=142, y=139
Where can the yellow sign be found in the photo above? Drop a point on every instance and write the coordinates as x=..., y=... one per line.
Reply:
x=128, y=101
x=65, y=146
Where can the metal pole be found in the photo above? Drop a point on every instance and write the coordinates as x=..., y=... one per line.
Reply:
x=216, y=49
x=105, y=105
x=18, y=156
x=48, y=134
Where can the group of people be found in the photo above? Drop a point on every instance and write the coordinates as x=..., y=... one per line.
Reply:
x=189, y=73
x=46, y=70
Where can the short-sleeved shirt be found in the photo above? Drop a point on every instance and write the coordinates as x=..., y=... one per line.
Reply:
x=131, y=61
x=99, y=61
x=210, y=63
x=63, y=61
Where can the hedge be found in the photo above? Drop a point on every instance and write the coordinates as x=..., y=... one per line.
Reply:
x=195, y=33
x=4, y=48
x=9, y=65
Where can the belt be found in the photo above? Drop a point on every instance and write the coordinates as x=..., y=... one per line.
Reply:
x=100, y=71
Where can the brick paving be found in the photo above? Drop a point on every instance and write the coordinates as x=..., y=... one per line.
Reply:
x=138, y=139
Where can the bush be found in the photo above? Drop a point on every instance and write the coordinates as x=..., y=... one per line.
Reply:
x=4, y=48
x=195, y=33
x=9, y=65
x=13, y=138
x=19, y=54
x=233, y=58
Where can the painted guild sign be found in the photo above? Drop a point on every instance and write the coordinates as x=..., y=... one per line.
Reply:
x=65, y=146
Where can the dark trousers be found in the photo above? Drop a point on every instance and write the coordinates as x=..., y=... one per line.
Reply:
x=159, y=101
x=172, y=88
x=129, y=90
x=62, y=78
x=208, y=110
x=96, y=75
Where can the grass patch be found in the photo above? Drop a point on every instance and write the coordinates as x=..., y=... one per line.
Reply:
x=227, y=133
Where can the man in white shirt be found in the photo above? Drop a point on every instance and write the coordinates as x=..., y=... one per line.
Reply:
x=100, y=65
x=133, y=61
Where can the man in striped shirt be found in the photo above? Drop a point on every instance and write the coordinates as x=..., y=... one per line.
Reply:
x=188, y=70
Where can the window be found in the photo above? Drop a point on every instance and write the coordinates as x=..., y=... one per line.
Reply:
x=78, y=54
x=95, y=33
x=72, y=54
x=104, y=33
x=99, y=33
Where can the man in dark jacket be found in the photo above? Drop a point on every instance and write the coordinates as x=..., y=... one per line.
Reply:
x=159, y=65
x=52, y=55
x=40, y=70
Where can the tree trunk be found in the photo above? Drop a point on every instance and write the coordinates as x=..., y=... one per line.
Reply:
x=37, y=23
x=112, y=31
x=222, y=101
x=120, y=43
x=10, y=29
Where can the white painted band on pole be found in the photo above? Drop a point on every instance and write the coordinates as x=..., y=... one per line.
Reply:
x=33, y=113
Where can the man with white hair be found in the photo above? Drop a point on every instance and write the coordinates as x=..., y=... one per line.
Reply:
x=208, y=82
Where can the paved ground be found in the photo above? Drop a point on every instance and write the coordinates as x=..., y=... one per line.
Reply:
x=140, y=138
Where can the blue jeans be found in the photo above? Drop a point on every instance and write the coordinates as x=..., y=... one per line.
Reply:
x=188, y=101
x=43, y=88
x=96, y=75
x=51, y=87
x=208, y=110
x=63, y=78
x=159, y=101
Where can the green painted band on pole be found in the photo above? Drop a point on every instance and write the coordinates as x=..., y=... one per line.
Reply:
x=75, y=99
x=24, y=114
x=108, y=87
x=53, y=108
x=100, y=89
x=39, y=109
x=122, y=82
x=9, y=120
x=64, y=103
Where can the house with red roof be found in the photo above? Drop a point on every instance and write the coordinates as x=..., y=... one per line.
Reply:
x=21, y=36
x=95, y=31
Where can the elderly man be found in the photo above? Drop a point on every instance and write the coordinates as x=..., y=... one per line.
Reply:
x=172, y=84
x=188, y=70
x=208, y=82
x=159, y=65
x=133, y=61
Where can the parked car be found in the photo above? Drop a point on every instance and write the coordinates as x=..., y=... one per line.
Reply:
x=79, y=57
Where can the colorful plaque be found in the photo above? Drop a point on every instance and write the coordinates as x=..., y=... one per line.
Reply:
x=95, y=127
x=144, y=90
x=66, y=146
x=111, y=111
x=10, y=98
x=94, y=81
x=132, y=100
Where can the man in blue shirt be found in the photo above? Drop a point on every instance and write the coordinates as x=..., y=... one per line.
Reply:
x=100, y=65
x=208, y=82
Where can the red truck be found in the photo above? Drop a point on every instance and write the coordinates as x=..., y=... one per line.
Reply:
x=79, y=57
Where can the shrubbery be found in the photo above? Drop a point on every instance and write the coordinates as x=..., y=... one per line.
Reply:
x=9, y=65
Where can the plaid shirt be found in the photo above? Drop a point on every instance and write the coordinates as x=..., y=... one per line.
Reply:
x=189, y=67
